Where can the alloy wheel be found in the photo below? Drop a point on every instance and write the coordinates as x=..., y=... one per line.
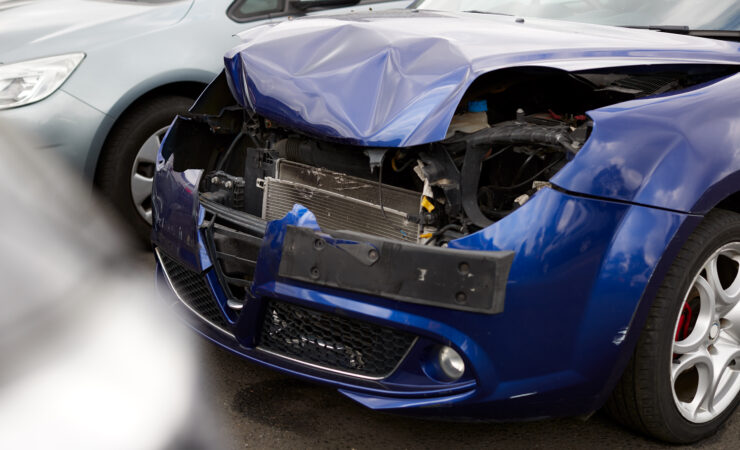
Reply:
x=705, y=364
x=142, y=174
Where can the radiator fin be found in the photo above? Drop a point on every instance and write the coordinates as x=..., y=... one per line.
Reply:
x=341, y=202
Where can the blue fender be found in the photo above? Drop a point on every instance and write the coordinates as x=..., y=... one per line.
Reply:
x=584, y=275
x=679, y=151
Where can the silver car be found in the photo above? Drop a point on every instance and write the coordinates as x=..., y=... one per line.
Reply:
x=99, y=81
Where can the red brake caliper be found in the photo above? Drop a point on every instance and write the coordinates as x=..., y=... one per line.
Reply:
x=684, y=322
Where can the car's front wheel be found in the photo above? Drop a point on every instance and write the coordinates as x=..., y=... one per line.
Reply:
x=126, y=169
x=684, y=378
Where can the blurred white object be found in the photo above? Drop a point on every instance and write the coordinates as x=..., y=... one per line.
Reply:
x=87, y=359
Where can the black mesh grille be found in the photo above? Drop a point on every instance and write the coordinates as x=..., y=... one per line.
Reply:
x=193, y=290
x=332, y=341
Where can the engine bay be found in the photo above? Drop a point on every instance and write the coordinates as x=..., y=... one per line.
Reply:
x=513, y=130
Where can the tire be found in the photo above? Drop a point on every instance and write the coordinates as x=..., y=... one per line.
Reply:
x=688, y=342
x=126, y=165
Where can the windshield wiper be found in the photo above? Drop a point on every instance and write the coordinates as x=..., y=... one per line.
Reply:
x=676, y=29
x=478, y=11
x=727, y=35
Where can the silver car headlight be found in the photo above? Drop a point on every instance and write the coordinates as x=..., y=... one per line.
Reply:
x=29, y=81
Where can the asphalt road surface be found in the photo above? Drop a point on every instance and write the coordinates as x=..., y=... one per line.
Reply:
x=249, y=406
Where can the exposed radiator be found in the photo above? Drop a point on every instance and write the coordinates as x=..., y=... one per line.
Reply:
x=341, y=202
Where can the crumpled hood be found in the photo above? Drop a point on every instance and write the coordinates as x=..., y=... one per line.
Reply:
x=37, y=28
x=395, y=78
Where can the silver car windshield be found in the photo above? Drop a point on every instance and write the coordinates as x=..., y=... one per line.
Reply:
x=693, y=14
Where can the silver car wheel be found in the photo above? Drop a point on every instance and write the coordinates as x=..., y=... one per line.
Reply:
x=142, y=174
x=705, y=365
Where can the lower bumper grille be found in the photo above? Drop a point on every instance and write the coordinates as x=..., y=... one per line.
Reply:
x=332, y=342
x=193, y=290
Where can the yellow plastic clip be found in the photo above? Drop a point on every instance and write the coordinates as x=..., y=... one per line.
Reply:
x=393, y=160
x=426, y=235
x=429, y=206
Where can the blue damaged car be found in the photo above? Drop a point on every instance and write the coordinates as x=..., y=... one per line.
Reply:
x=472, y=215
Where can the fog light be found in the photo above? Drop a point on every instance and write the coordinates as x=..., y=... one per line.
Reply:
x=451, y=363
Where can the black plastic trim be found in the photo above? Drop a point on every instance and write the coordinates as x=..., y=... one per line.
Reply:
x=253, y=224
x=464, y=280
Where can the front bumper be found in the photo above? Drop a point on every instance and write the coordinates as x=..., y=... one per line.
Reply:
x=73, y=130
x=580, y=269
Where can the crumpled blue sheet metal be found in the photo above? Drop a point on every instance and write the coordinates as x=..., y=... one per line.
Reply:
x=395, y=78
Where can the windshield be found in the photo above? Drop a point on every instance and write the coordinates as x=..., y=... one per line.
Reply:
x=695, y=14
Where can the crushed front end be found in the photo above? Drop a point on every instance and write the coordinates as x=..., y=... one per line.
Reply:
x=449, y=278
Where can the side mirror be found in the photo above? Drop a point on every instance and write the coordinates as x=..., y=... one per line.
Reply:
x=309, y=4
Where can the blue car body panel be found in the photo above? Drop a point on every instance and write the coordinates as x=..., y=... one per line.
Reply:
x=383, y=80
x=590, y=251
x=678, y=151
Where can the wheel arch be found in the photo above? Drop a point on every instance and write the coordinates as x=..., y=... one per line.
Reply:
x=730, y=201
x=129, y=103
x=722, y=195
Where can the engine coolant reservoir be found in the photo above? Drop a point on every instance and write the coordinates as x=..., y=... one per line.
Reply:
x=471, y=121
